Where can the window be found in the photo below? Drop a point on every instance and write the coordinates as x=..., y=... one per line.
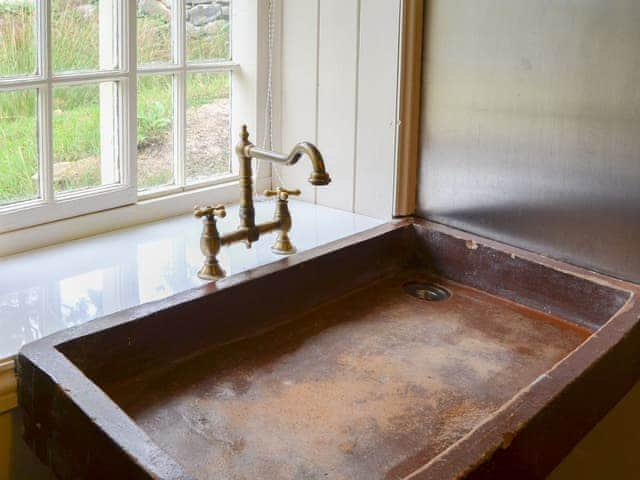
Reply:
x=104, y=102
x=183, y=90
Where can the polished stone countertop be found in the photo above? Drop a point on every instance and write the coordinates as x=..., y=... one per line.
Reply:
x=53, y=288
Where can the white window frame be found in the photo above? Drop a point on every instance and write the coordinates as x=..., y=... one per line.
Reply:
x=27, y=225
x=180, y=70
x=50, y=207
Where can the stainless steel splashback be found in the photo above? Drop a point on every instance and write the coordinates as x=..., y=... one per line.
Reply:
x=531, y=126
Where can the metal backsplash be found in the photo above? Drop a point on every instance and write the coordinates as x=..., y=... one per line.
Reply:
x=531, y=126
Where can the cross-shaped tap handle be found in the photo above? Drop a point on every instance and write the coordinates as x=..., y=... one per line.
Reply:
x=217, y=211
x=282, y=193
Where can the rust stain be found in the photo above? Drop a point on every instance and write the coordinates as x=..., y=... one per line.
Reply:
x=507, y=438
x=372, y=385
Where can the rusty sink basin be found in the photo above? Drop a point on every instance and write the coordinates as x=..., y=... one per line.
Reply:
x=323, y=365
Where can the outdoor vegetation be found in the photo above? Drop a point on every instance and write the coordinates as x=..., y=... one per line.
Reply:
x=76, y=119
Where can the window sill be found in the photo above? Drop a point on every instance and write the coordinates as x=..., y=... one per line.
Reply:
x=59, y=287
x=147, y=210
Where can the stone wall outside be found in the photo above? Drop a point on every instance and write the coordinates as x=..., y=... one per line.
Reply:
x=201, y=15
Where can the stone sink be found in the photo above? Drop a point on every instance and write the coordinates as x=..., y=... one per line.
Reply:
x=411, y=350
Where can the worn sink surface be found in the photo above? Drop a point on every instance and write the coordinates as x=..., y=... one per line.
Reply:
x=324, y=366
x=372, y=380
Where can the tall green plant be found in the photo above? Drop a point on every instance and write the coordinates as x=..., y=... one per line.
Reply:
x=17, y=39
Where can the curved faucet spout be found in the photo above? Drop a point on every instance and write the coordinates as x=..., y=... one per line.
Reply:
x=319, y=175
x=249, y=231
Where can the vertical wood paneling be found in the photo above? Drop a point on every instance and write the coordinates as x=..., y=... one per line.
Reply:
x=299, y=80
x=377, y=108
x=337, y=96
x=339, y=90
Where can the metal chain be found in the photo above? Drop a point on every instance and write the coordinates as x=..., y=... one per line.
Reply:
x=268, y=108
x=267, y=141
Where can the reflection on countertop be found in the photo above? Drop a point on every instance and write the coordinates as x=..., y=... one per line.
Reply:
x=53, y=288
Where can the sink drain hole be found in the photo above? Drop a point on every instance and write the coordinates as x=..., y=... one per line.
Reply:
x=426, y=291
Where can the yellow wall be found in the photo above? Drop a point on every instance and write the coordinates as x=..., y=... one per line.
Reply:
x=16, y=460
x=5, y=441
x=611, y=451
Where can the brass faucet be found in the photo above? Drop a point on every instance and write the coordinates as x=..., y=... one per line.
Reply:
x=211, y=241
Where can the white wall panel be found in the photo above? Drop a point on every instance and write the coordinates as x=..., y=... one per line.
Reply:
x=377, y=108
x=299, y=92
x=339, y=89
x=337, y=98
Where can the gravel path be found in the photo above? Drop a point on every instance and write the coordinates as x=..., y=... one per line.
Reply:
x=208, y=146
x=208, y=153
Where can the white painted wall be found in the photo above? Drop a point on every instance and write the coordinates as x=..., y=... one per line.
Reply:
x=339, y=90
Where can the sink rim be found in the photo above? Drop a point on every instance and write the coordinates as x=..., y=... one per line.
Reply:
x=495, y=435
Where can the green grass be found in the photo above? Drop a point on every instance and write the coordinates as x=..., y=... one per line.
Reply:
x=76, y=110
x=17, y=40
x=18, y=146
x=74, y=38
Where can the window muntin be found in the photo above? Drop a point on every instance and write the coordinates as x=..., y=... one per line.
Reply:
x=69, y=170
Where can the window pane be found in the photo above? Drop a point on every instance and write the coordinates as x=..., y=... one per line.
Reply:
x=84, y=35
x=85, y=136
x=208, y=30
x=154, y=31
x=17, y=38
x=18, y=146
x=208, y=126
x=155, y=131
